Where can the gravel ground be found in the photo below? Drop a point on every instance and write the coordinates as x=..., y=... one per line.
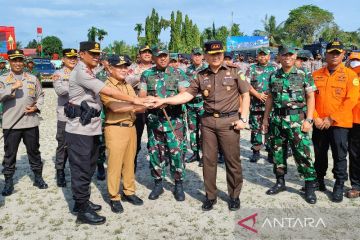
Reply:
x=30, y=213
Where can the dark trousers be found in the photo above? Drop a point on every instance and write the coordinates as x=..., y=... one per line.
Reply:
x=354, y=156
x=139, y=124
x=337, y=139
x=83, y=153
x=218, y=131
x=12, y=138
x=61, y=150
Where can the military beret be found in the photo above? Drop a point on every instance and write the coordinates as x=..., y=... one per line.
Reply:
x=15, y=54
x=197, y=50
x=286, y=49
x=335, y=45
x=144, y=48
x=2, y=60
x=90, y=46
x=69, y=52
x=118, y=60
x=29, y=59
x=157, y=51
x=174, y=56
x=263, y=50
x=212, y=47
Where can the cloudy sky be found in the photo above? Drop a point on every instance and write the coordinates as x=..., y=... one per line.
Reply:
x=70, y=19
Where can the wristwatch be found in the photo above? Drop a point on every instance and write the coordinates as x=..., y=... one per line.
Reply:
x=244, y=120
x=310, y=120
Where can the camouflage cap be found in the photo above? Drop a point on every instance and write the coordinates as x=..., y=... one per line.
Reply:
x=174, y=56
x=157, y=51
x=263, y=50
x=29, y=59
x=2, y=60
x=197, y=50
x=287, y=49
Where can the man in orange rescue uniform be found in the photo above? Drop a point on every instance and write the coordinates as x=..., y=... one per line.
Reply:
x=354, y=136
x=337, y=94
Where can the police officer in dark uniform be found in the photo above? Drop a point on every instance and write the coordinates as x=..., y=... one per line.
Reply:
x=22, y=99
x=83, y=128
x=221, y=87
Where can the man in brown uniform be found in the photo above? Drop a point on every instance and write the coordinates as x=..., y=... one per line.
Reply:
x=221, y=87
x=120, y=135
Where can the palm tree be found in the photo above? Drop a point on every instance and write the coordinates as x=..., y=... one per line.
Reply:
x=274, y=32
x=139, y=29
x=101, y=33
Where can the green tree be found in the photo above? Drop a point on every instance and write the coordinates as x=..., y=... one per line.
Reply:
x=153, y=26
x=305, y=23
x=92, y=32
x=221, y=34
x=101, y=33
x=120, y=47
x=32, y=44
x=138, y=29
x=275, y=32
x=235, y=30
x=51, y=45
x=19, y=45
x=197, y=36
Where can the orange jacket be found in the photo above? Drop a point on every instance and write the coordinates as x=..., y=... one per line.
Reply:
x=337, y=95
x=356, y=109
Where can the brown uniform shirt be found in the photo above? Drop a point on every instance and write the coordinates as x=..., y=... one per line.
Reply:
x=110, y=116
x=220, y=90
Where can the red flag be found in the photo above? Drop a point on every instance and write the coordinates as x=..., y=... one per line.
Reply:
x=39, y=30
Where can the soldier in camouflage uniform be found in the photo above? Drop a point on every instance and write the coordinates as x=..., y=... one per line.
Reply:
x=195, y=108
x=258, y=75
x=133, y=78
x=164, y=81
x=291, y=94
x=317, y=63
x=30, y=68
x=3, y=70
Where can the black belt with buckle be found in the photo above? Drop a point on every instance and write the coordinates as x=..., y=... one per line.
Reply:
x=120, y=124
x=286, y=112
x=220, y=115
x=256, y=112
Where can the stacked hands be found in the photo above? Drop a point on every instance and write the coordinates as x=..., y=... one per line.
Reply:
x=151, y=102
x=17, y=85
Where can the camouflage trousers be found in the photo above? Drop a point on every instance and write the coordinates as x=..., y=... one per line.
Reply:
x=163, y=147
x=193, y=117
x=301, y=146
x=256, y=139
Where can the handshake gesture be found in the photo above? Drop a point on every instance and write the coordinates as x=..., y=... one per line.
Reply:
x=151, y=102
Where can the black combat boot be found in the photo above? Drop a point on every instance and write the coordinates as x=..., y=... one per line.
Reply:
x=221, y=159
x=338, y=192
x=321, y=184
x=179, y=191
x=9, y=186
x=278, y=187
x=39, y=181
x=87, y=215
x=157, y=190
x=310, y=196
x=193, y=158
x=60, y=178
x=100, y=172
x=255, y=157
x=92, y=205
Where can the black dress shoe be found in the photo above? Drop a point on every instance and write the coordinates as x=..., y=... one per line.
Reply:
x=234, y=204
x=93, y=206
x=100, y=172
x=116, y=207
x=133, y=199
x=89, y=216
x=208, y=204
